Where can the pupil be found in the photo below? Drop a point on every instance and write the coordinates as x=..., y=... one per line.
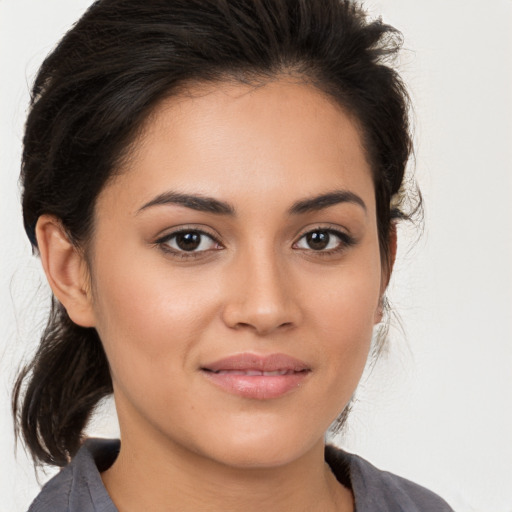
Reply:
x=188, y=241
x=318, y=240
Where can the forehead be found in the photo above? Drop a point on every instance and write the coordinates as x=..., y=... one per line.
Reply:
x=244, y=143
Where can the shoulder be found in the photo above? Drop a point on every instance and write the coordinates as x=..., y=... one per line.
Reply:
x=54, y=496
x=78, y=487
x=377, y=490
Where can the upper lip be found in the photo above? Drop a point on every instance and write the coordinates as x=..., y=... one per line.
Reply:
x=256, y=362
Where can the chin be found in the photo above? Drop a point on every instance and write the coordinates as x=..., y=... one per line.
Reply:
x=260, y=449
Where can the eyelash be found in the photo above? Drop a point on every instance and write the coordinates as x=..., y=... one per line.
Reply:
x=345, y=241
x=163, y=243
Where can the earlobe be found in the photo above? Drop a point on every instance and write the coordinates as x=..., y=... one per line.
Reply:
x=390, y=259
x=387, y=269
x=65, y=269
x=379, y=312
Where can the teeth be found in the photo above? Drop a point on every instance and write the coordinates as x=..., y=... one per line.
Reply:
x=253, y=373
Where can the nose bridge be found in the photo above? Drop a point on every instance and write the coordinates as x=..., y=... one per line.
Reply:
x=261, y=296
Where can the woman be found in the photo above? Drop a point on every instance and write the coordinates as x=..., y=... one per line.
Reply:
x=213, y=189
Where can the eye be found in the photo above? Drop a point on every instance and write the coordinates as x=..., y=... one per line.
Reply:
x=188, y=241
x=324, y=240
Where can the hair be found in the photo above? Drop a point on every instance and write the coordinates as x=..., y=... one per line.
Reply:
x=91, y=97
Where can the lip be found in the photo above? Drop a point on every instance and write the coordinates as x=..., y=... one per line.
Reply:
x=260, y=377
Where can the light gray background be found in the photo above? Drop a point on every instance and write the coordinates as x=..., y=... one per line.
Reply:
x=438, y=408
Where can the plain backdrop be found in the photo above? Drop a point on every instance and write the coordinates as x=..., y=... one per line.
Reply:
x=437, y=408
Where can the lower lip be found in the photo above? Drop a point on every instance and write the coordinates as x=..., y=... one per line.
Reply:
x=259, y=387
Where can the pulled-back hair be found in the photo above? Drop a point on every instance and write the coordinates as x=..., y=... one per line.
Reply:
x=91, y=97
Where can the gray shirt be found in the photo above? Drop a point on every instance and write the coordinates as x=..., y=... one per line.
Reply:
x=78, y=487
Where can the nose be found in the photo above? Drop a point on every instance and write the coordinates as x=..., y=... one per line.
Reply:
x=261, y=295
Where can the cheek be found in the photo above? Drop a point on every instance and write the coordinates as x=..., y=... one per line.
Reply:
x=348, y=298
x=346, y=330
x=148, y=315
x=343, y=319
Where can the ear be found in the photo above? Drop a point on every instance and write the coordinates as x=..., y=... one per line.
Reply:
x=392, y=248
x=387, y=269
x=65, y=269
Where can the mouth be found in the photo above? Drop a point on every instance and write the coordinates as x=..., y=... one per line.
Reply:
x=257, y=377
x=253, y=373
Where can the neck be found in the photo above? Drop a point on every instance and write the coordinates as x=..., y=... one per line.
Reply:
x=147, y=477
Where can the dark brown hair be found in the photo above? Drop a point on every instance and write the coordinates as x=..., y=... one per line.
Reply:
x=94, y=91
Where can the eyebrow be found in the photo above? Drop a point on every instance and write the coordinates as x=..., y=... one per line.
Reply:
x=320, y=202
x=212, y=205
x=192, y=201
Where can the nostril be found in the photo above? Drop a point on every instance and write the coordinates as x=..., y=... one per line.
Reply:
x=262, y=328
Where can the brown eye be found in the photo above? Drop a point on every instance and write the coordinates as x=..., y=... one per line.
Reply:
x=191, y=241
x=324, y=240
x=188, y=241
x=318, y=240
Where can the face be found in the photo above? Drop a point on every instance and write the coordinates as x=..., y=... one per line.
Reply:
x=236, y=274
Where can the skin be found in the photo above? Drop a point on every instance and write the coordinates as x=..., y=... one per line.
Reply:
x=256, y=286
